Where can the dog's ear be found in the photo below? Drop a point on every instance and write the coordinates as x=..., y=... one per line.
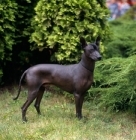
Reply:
x=83, y=42
x=97, y=41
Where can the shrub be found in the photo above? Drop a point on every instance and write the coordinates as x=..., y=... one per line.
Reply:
x=15, y=30
x=122, y=41
x=58, y=24
x=7, y=31
x=115, y=84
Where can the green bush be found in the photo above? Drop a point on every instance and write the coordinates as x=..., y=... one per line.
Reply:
x=7, y=31
x=25, y=12
x=15, y=30
x=122, y=41
x=21, y=50
x=115, y=84
x=58, y=24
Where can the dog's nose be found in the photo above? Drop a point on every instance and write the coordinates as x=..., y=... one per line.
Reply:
x=99, y=58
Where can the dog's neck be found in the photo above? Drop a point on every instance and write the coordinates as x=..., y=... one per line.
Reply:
x=87, y=63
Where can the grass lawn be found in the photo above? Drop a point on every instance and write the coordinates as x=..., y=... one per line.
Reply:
x=58, y=121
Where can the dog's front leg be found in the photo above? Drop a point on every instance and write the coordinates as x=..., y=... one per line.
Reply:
x=79, y=102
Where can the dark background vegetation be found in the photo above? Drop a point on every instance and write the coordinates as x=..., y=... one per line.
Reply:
x=42, y=31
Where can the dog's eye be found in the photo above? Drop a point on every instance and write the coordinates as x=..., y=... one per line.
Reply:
x=94, y=47
x=91, y=50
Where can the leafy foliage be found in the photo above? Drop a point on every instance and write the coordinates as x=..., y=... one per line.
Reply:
x=59, y=23
x=21, y=50
x=115, y=84
x=15, y=30
x=122, y=42
x=7, y=29
x=24, y=15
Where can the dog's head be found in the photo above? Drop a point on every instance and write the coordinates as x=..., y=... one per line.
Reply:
x=91, y=50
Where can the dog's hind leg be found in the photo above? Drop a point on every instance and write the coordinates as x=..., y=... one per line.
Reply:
x=32, y=94
x=38, y=100
x=24, y=104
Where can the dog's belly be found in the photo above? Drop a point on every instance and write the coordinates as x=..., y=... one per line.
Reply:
x=64, y=88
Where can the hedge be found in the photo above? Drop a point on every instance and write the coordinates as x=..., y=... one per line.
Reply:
x=115, y=84
x=58, y=25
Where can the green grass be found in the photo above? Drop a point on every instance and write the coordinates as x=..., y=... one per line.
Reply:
x=58, y=121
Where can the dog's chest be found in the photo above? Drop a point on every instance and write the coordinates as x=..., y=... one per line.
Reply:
x=84, y=83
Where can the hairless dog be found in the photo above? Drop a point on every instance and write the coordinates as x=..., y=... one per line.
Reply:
x=74, y=78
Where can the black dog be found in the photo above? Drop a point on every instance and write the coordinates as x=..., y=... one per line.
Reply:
x=75, y=79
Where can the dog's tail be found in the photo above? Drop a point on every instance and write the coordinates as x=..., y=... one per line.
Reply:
x=22, y=77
